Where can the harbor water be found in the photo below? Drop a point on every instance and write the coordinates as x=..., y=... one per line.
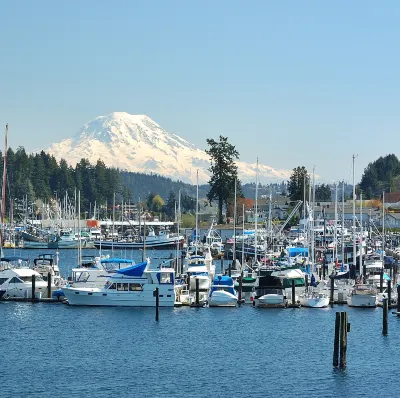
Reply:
x=56, y=350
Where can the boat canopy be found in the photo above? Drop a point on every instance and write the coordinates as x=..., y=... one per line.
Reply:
x=295, y=251
x=223, y=280
x=116, y=260
x=134, y=270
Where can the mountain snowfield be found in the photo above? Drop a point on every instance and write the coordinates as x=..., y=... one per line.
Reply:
x=137, y=143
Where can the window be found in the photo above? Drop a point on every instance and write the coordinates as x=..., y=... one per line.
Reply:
x=120, y=286
x=113, y=286
x=135, y=287
x=2, y=280
x=15, y=280
x=165, y=277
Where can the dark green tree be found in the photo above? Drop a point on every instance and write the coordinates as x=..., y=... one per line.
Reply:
x=323, y=193
x=224, y=172
x=296, y=183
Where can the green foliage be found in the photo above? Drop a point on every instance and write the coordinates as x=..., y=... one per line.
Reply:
x=296, y=186
x=383, y=174
x=323, y=193
x=188, y=220
x=224, y=172
x=157, y=204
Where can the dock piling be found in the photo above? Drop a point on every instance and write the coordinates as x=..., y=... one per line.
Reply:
x=343, y=340
x=336, y=341
x=398, y=300
x=48, y=285
x=293, y=293
x=389, y=288
x=240, y=289
x=156, y=295
x=385, y=317
x=381, y=282
x=197, y=292
x=332, y=290
x=33, y=288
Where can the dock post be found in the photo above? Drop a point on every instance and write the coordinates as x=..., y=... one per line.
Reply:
x=188, y=281
x=385, y=317
x=240, y=289
x=323, y=269
x=343, y=340
x=306, y=280
x=389, y=289
x=398, y=300
x=197, y=292
x=156, y=295
x=381, y=281
x=33, y=288
x=336, y=341
x=230, y=269
x=48, y=285
x=293, y=293
x=222, y=265
x=331, y=300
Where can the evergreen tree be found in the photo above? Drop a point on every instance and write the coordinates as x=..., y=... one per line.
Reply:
x=224, y=172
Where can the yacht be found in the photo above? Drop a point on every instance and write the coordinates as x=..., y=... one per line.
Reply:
x=314, y=299
x=16, y=278
x=48, y=263
x=132, y=286
x=362, y=295
x=222, y=292
x=197, y=269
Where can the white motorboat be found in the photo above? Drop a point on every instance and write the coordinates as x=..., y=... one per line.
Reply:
x=197, y=270
x=269, y=292
x=133, y=286
x=16, y=279
x=362, y=296
x=47, y=264
x=222, y=292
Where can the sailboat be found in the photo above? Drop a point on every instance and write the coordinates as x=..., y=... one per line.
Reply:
x=362, y=294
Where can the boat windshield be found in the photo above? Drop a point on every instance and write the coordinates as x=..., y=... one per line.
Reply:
x=27, y=279
x=224, y=288
x=82, y=276
x=264, y=291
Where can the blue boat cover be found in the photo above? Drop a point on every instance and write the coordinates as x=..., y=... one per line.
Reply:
x=134, y=270
x=223, y=280
x=295, y=251
x=116, y=260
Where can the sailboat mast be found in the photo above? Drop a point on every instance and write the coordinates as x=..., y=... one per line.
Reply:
x=354, y=218
x=335, y=247
x=197, y=212
x=234, y=226
x=342, y=240
x=361, y=232
x=256, y=217
x=3, y=191
x=383, y=230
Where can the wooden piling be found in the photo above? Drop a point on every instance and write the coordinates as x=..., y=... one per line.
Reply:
x=381, y=281
x=240, y=289
x=230, y=269
x=197, y=292
x=336, y=341
x=293, y=293
x=332, y=290
x=343, y=340
x=157, y=296
x=398, y=300
x=33, y=288
x=48, y=285
x=222, y=265
x=385, y=317
x=188, y=281
x=389, y=289
x=306, y=280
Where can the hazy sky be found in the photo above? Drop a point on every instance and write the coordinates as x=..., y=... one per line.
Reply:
x=290, y=82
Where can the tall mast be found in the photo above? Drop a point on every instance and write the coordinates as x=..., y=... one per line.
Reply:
x=3, y=191
x=383, y=230
x=197, y=211
x=354, y=217
x=312, y=211
x=234, y=227
x=342, y=222
x=361, y=232
x=335, y=247
x=256, y=217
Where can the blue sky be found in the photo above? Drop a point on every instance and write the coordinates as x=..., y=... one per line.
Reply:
x=290, y=82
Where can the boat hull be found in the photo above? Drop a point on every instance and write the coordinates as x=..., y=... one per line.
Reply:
x=270, y=301
x=159, y=245
x=105, y=297
x=222, y=299
x=362, y=300
x=314, y=302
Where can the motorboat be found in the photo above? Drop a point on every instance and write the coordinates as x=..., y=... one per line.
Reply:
x=362, y=295
x=133, y=286
x=269, y=292
x=222, y=292
x=16, y=278
x=196, y=269
x=47, y=263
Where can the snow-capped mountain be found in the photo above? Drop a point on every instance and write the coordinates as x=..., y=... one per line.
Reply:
x=137, y=143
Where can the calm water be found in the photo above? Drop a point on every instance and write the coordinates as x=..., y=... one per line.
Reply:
x=53, y=350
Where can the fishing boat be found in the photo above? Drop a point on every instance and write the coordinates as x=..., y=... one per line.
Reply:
x=222, y=292
x=132, y=286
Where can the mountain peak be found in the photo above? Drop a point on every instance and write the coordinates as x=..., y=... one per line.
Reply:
x=137, y=143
